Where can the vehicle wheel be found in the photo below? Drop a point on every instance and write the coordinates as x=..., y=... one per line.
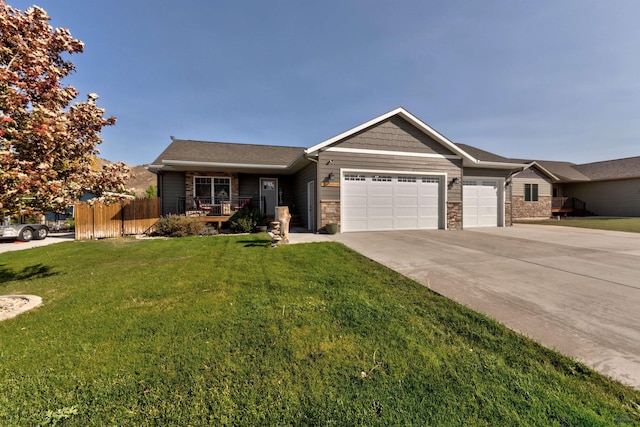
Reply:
x=25, y=235
x=41, y=233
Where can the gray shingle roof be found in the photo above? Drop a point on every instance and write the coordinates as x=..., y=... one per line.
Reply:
x=226, y=152
x=611, y=169
x=484, y=155
x=564, y=170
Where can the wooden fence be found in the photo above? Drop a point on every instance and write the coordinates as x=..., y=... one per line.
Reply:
x=98, y=220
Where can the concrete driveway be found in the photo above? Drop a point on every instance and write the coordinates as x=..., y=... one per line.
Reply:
x=574, y=290
x=10, y=245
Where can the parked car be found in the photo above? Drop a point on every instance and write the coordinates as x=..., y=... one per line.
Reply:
x=23, y=232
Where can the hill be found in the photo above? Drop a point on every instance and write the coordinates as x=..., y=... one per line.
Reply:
x=142, y=179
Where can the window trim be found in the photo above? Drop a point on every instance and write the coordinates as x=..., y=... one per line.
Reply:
x=212, y=179
x=531, y=192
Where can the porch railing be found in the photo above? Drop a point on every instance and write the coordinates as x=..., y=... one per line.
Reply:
x=209, y=206
x=567, y=204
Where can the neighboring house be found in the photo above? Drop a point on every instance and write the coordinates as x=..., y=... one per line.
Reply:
x=393, y=172
x=607, y=188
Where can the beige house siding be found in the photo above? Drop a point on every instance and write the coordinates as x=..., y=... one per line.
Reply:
x=531, y=209
x=610, y=198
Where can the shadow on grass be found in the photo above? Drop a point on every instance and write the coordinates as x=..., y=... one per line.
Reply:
x=262, y=243
x=31, y=272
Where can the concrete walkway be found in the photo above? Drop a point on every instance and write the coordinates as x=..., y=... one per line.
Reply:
x=574, y=290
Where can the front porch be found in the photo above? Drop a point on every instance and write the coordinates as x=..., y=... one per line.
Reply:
x=217, y=210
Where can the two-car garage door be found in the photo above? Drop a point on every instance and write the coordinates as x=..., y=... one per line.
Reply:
x=396, y=201
x=390, y=201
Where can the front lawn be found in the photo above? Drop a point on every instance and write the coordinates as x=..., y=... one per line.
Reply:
x=612, y=224
x=228, y=331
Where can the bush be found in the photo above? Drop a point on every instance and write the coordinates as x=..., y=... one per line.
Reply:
x=179, y=226
x=245, y=220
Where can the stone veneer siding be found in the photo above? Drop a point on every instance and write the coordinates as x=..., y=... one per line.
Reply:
x=507, y=214
x=454, y=215
x=330, y=212
x=539, y=209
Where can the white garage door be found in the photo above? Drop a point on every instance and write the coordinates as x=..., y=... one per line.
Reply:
x=480, y=203
x=376, y=202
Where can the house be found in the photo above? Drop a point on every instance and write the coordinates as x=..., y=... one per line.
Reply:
x=393, y=172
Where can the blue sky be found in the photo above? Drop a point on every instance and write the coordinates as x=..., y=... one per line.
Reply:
x=545, y=79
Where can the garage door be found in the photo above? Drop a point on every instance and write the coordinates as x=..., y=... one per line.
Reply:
x=480, y=203
x=376, y=202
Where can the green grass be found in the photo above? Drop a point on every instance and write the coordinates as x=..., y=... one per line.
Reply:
x=227, y=331
x=612, y=224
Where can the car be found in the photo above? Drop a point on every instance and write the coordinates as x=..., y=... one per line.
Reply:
x=23, y=232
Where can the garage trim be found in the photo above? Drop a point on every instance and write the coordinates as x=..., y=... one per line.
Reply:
x=442, y=191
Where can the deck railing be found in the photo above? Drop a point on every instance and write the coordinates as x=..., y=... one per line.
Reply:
x=567, y=204
x=210, y=206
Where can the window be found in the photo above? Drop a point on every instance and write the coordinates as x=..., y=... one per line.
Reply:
x=381, y=178
x=431, y=180
x=212, y=190
x=353, y=177
x=406, y=179
x=531, y=192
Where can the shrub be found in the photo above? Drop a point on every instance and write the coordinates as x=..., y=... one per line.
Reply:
x=179, y=226
x=245, y=220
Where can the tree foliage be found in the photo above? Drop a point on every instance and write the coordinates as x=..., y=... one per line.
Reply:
x=48, y=146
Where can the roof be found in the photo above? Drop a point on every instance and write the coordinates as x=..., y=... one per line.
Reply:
x=565, y=171
x=611, y=169
x=485, y=155
x=187, y=154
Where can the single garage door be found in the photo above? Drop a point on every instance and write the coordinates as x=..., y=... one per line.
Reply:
x=480, y=203
x=376, y=202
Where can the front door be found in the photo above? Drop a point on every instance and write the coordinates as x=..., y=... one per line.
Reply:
x=269, y=194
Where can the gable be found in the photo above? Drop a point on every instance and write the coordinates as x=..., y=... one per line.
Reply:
x=394, y=134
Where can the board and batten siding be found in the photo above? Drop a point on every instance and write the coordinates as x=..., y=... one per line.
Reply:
x=171, y=186
x=619, y=197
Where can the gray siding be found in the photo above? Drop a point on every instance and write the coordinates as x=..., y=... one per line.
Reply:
x=300, y=190
x=610, y=198
x=171, y=185
x=395, y=134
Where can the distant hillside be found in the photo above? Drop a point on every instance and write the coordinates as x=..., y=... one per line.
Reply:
x=142, y=178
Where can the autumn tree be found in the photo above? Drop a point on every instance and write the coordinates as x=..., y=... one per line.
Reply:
x=48, y=146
